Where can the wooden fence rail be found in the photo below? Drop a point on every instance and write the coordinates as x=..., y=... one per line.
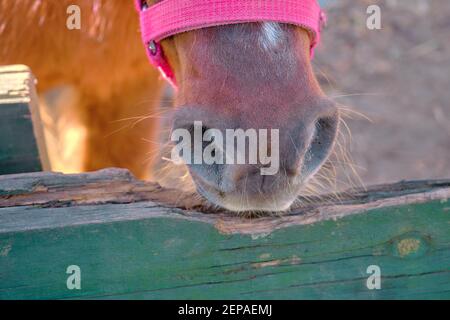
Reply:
x=134, y=239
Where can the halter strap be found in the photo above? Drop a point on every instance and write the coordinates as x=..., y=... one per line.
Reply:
x=171, y=17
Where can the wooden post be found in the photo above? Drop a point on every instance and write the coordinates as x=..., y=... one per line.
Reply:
x=134, y=239
x=22, y=145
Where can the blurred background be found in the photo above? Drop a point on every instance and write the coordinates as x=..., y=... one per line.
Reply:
x=398, y=78
x=393, y=83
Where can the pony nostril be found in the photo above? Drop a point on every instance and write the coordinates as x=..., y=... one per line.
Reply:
x=206, y=158
x=321, y=144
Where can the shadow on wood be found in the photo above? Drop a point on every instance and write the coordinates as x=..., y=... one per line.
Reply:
x=22, y=147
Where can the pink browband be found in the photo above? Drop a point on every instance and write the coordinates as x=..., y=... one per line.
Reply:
x=170, y=17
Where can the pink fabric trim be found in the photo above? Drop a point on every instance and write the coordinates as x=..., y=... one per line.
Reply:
x=170, y=17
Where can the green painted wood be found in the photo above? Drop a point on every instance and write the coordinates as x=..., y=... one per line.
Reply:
x=172, y=258
x=18, y=147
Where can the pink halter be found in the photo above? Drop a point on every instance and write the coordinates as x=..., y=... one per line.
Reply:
x=170, y=17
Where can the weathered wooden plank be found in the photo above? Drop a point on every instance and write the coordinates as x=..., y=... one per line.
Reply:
x=134, y=243
x=146, y=199
x=22, y=146
x=173, y=258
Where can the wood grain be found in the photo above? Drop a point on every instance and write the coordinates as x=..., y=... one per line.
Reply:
x=136, y=240
x=117, y=187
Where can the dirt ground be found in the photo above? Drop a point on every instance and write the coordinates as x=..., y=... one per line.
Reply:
x=399, y=77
